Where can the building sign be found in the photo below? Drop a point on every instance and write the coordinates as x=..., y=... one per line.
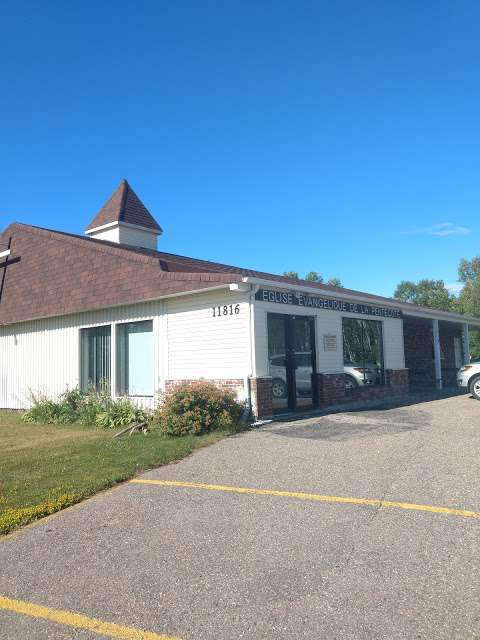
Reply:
x=329, y=342
x=327, y=304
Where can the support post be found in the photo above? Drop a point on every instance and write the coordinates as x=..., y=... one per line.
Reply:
x=436, y=353
x=466, y=344
x=113, y=361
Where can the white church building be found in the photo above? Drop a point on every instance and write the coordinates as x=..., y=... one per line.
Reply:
x=79, y=309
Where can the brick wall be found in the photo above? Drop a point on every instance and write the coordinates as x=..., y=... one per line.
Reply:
x=398, y=378
x=331, y=388
x=418, y=341
x=234, y=384
x=262, y=397
x=447, y=345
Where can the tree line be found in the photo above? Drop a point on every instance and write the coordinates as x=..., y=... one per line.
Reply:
x=314, y=276
x=434, y=294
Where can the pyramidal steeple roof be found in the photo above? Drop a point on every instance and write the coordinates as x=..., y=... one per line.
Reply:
x=125, y=206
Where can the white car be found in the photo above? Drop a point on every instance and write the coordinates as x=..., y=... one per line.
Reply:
x=468, y=377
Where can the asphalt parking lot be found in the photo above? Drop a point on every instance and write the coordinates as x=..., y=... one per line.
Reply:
x=326, y=543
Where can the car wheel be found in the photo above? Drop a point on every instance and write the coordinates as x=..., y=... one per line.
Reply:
x=350, y=382
x=279, y=388
x=474, y=385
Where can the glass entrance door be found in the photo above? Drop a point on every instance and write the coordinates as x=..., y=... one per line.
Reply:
x=303, y=359
x=291, y=357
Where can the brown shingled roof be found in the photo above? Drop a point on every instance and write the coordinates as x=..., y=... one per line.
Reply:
x=51, y=274
x=125, y=206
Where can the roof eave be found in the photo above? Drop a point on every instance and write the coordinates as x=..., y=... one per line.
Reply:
x=406, y=307
x=218, y=287
x=119, y=223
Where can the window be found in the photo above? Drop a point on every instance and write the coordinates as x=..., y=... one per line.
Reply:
x=135, y=375
x=362, y=352
x=95, y=357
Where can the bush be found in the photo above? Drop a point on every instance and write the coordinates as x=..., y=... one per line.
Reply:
x=118, y=414
x=195, y=408
x=89, y=408
x=45, y=410
x=93, y=402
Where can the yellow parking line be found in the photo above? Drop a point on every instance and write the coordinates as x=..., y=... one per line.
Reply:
x=371, y=502
x=79, y=621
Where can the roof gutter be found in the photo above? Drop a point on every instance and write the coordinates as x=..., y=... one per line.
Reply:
x=408, y=309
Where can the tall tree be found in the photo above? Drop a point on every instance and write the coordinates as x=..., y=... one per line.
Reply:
x=313, y=276
x=428, y=293
x=335, y=282
x=469, y=298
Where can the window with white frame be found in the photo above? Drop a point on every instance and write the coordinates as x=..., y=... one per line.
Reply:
x=95, y=357
x=135, y=359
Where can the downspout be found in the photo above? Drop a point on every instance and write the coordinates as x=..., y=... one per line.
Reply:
x=248, y=412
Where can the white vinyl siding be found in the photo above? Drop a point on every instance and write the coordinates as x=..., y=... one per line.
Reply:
x=43, y=356
x=394, y=357
x=201, y=345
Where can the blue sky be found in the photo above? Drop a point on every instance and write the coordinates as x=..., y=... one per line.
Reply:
x=340, y=137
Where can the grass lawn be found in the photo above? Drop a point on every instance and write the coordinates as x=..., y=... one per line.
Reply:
x=44, y=468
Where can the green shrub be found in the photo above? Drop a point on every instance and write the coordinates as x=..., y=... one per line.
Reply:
x=45, y=410
x=89, y=408
x=72, y=398
x=195, y=408
x=119, y=413
x=93, y=402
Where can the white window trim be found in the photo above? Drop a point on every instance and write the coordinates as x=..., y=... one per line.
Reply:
x=113, y=352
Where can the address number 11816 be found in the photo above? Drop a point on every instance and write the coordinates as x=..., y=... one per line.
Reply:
x=226, y=310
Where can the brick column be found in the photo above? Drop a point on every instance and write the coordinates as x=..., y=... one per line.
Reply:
x=330, y=388
x=262, y=397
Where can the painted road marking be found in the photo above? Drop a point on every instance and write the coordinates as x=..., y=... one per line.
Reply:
x=79, y=621
x=370, y=502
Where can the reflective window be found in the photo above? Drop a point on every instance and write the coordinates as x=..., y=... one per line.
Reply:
x=277, y=358
x=135, y=370
x=291, y=357
x=362, y=352
x=95, y=357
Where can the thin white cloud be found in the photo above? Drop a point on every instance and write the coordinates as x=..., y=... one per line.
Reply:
x=442, y=229
x=454, y=287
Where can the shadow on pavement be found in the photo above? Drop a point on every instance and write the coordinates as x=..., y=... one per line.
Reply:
x=415, y=397
x=359, y=420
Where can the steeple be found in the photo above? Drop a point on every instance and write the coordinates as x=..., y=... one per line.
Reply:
x=125, y=219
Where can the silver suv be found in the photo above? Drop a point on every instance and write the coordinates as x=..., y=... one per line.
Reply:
x=303, y=374
x=468, y=377
x=361, y=375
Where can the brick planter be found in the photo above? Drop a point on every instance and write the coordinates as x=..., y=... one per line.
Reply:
x=397, y=380
x=234, y=384
x=331, y=388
